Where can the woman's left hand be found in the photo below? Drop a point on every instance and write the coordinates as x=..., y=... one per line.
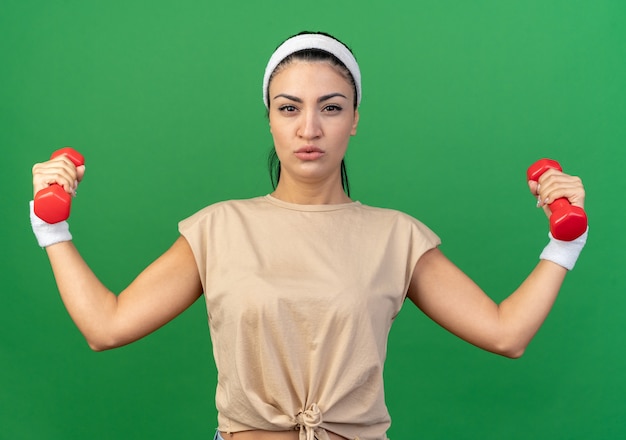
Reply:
x=554, y=184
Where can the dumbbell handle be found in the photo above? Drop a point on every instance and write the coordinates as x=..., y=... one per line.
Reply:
x=567, y=222
x=53, y=204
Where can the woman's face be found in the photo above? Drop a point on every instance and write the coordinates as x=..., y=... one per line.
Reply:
x=312, y=117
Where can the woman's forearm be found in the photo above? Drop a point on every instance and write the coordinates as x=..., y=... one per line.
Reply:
x=524, y=311
x=90, y=304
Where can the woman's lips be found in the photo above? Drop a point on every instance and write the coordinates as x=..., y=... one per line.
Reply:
x=309, y=153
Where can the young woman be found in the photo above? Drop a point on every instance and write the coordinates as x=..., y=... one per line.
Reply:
x=302, y=285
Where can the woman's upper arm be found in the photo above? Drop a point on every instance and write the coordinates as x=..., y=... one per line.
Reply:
x=449, y=297
x=160, y=293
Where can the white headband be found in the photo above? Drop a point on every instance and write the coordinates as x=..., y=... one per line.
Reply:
x=313, y=41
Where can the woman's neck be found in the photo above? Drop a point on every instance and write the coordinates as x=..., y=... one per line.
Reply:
x=310, y=194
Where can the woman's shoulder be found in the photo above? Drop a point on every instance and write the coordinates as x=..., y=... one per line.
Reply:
x=399, y=220
x=223, y=207
x=390, y=213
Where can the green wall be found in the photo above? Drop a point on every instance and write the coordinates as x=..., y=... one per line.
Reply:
x=164, y=100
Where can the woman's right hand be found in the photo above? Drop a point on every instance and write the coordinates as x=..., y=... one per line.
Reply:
x=61, y=171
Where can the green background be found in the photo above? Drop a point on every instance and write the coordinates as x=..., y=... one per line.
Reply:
x=164, y=100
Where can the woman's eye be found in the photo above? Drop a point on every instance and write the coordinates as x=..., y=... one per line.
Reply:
x=332, y=108
x=287, y=108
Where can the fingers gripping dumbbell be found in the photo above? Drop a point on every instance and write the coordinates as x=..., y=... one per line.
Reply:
x=53, y=204
x=567, y=222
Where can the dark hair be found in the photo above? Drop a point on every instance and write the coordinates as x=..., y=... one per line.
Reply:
x=311, y=55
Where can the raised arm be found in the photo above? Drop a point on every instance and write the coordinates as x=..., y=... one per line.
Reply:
x=162, y=291
x=454, y=301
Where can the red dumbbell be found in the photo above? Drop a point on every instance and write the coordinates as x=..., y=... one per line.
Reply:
x=52, y=204
x=567, y=222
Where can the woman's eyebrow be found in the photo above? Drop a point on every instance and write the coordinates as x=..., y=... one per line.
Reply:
x=289, y=97
x=320, y=99
x=330, y=96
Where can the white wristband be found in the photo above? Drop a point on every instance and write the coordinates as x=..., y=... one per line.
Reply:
x=48, y=234
x=564, y=253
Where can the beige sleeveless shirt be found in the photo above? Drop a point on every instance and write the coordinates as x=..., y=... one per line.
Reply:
x=300, y=301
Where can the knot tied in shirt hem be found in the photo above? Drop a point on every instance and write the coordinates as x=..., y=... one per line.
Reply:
x=308, y=422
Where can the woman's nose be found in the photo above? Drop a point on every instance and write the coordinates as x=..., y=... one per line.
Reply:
x=310, y=127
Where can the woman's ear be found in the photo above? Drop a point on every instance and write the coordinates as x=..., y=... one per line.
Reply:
x=355, y=123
